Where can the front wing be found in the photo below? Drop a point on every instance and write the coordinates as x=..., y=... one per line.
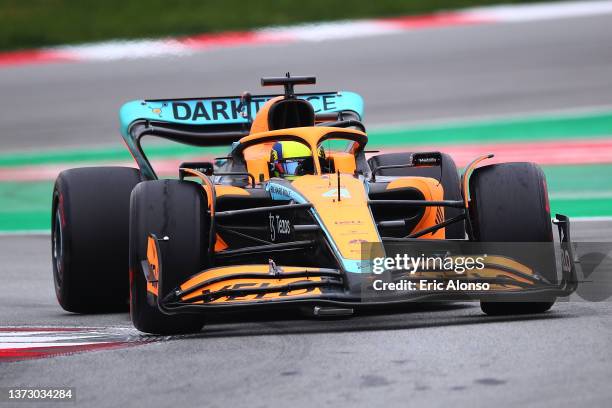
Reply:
x=262, y=286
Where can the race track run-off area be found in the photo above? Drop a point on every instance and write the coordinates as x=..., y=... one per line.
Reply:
x=575, y=150
x=533, y=85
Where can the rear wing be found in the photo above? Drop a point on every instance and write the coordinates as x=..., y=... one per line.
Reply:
x=214, y=121
x=225, y=112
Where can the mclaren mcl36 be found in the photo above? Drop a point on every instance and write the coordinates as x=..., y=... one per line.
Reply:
x=295, y=216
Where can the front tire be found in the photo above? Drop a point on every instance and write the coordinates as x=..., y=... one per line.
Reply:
x=176, y=209
x=89, y=238
x=509, y=203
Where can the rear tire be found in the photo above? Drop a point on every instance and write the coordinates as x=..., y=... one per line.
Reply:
x=449, y=180
x=176, y=209
x=89, y=238
x=509, y=203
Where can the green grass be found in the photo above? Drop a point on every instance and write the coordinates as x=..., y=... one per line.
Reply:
x=36, y=23
x=25, y=206
x=580, y=190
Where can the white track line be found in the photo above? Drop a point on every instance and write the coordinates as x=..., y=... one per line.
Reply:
x=25, y=232
x=543, y=11
x=517, y=116
x=584, y=195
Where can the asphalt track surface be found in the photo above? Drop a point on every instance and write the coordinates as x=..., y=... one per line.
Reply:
x=427, y=355
x=416, y=356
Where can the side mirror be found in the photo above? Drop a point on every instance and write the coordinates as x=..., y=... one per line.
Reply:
x=203, y=167
x=422, y=159
x=419, y=159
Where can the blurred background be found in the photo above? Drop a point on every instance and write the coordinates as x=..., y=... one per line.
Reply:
x=527, y=81
x=35, y=23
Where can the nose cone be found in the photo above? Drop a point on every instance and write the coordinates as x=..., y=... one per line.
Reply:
x=347, y=222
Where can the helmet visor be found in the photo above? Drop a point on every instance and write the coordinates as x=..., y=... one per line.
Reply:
x=289, y=167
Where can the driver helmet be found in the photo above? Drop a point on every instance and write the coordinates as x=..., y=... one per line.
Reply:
x=289, y=159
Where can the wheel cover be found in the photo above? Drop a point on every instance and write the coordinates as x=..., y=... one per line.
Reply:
x=58, y=248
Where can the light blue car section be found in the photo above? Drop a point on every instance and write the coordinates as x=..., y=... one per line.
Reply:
x=225, y=110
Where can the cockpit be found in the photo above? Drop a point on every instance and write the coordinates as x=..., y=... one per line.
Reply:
x=302, y=151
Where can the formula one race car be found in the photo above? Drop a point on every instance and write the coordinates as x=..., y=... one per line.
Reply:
x=282, y=221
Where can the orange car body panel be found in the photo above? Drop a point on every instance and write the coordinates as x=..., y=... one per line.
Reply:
x=249, y=282
x=153, y=261
x=348, y=220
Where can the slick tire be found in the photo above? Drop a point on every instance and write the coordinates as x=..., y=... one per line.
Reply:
x=89, y=238
x=449, y=179
x=177, y=210
x=509, y=203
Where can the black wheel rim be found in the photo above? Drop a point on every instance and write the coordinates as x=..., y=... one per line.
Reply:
x=58, y=248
